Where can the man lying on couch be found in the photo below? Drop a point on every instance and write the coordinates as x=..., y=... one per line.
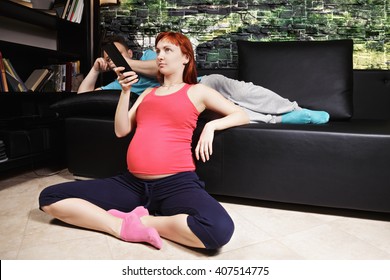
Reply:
x=261, y=104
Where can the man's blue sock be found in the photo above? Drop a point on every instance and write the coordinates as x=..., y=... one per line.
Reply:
x=318, y=117
x=305, y=116
x=296, y=117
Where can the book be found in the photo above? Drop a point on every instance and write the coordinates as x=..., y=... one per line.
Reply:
x=59, y=7
x=13, y=84
x=45, y=81
x=13, y=77
x=68, y=76
x=55, y=81
x=4, y=84
x=37, y=78
x=73, y=10
x=79, y=11
x=67, y=7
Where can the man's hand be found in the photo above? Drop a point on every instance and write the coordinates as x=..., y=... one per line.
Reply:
x=101, y=65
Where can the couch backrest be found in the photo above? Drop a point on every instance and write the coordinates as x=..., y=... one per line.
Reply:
x=371, y=94
x=316, y=74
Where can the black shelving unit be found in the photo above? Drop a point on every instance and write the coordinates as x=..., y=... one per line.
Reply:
x=29, y=113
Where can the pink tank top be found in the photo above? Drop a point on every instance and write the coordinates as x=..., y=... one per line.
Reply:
x=163, y=136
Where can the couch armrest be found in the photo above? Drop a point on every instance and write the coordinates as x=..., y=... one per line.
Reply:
x=100, y=103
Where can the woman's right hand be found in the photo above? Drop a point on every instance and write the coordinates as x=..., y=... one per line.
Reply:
x=126, y=79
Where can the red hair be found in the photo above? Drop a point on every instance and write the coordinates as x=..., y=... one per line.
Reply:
x=180, y=40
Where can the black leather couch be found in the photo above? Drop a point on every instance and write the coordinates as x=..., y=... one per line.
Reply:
x=342, y=164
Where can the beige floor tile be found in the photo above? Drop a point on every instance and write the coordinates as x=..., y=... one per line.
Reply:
x=13, y=221
x=9, y=254
x=94, y=248
x=375, y=232
x=267, y=250
x=279, y=222
x=40, y=233
x=327, y=242
x=10, y=244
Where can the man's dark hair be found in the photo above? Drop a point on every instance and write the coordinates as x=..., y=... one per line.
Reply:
x=115, y=39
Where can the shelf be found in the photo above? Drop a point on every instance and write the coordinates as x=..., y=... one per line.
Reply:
x=28, y=142
x=19, y=12
x=24, y=161
x=24, y=108
x=21, y=49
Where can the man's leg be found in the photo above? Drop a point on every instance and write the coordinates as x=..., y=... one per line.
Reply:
x=250, y=96
x=261, y=104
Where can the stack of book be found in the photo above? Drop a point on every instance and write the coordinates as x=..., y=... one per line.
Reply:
x=38, y=79
x=10, y=80
x=64, y=77
x=13, y=80
x=73, y=10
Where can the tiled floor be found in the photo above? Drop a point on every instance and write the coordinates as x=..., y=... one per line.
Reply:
x=268, y=231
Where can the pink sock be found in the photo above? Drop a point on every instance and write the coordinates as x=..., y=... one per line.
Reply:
x=140, y=211
x=134, y=231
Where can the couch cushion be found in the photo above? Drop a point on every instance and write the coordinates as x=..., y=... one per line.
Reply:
x=316, y=74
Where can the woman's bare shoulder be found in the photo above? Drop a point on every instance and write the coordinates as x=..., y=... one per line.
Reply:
x=202, y=89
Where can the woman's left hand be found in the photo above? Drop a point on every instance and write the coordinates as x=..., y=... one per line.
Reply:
x=204, y=148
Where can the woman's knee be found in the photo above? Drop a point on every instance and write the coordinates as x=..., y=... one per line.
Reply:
x=44, y=198
x=213, y=233
x=224, y=230
x=47, y=209
x=47, y=200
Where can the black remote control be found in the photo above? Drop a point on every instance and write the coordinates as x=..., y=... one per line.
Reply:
x=115, y=55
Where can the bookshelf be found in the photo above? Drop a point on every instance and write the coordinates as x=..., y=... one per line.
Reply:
x=31, y=39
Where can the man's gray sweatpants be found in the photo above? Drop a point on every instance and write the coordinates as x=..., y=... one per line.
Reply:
x=261, y=104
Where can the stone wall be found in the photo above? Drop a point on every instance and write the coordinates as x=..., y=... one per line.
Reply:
x=214, y=25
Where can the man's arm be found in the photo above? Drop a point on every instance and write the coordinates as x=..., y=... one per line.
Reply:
x=88, y=84
x=146, y=66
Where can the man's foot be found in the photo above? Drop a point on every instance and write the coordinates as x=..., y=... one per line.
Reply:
x=318, y=117
x=296, y=117
x=305, y=116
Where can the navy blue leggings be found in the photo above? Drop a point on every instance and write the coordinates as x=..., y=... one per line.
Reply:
x=181, y=193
